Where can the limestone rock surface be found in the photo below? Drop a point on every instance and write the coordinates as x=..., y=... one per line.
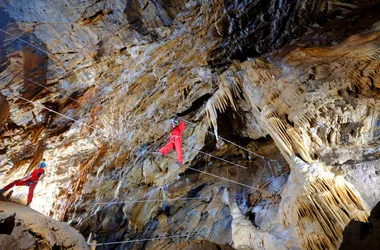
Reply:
x=280, y=98
x=24, y=228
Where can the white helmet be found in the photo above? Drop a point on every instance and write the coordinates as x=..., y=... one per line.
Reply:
x=175, y=121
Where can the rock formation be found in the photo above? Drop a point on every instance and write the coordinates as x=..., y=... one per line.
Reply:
x=362, y=234
x=24, y=228
x=281, y=101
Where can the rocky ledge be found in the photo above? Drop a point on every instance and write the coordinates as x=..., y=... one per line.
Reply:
x=24, y=228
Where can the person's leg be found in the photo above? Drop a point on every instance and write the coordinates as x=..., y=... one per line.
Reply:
x=178, y=149
x=12, y=184
x=30, y=194
x=167, y=148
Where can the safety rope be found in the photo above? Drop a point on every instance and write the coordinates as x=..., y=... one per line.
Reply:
x=223, y=139
x=18, y=38
x=204, y=153
x=142, y=240
x=213, y=156
x=51, y=110
x=42, y=86
x=92, y=127
x=223, y=178
x=151, y=200
x=216, y=176
x=159, y=200
x=168, y=112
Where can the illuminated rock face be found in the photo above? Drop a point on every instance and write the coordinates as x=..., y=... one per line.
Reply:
x=296, y=82
x=24, y=228
x=319, y=212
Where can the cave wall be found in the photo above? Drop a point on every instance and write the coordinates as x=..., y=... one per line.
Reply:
x=280, y=78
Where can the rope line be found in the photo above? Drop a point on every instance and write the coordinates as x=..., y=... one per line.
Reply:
x=159, y=200
x=216, y=157
x=38, y=48
x=187, y=121
x=226, y=140
x=89, y=126
x=223, y=178
x=142, y=240
x=151, y=200
x=47, y=88
x=159, y=108
x=204, y=153
x=216, y=176
x=18, y=38
x=51, y=110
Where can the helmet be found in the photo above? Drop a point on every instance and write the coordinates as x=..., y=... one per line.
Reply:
x=175, y=121
x=43, y=164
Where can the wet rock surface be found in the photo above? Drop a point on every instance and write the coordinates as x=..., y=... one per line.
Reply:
x=91, y=89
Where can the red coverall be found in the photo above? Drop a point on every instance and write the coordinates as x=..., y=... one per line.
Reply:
x=30, y=181
x=175, y=141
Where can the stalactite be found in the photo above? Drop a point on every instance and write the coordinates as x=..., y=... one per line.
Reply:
x=299, y=145
x=277, y=130
x=320, y=205
x=224, y=97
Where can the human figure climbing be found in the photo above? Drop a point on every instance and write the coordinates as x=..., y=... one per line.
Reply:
x=31, y=180
x=175, y=141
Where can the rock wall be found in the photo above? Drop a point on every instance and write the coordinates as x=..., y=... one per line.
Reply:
x=90, y=87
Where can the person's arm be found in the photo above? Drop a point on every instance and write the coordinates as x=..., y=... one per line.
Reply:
x=41, y=177
x=181, y=126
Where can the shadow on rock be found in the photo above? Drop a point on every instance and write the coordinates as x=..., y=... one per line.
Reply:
x=361, y=235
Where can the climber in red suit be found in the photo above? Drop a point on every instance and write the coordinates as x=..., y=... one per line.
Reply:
x=175, y=140
x=30, y=180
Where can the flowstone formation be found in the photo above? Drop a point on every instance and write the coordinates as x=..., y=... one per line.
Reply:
x=280, y=99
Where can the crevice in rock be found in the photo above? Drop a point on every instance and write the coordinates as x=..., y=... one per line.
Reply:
x=196, y=105
x=95, y=17
x=194, y=191
x=7, y=224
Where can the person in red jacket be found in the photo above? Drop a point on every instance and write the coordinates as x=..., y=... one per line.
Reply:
x=175, y=140
x=30, y=180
